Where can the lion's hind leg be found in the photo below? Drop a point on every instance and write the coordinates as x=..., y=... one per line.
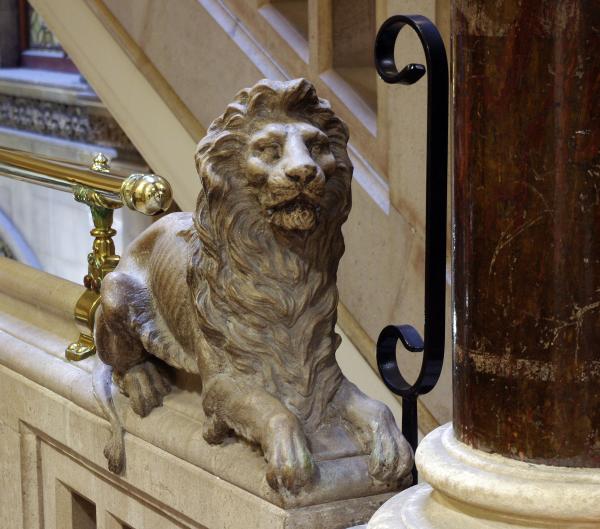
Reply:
x=120, y=320
x=257, y=416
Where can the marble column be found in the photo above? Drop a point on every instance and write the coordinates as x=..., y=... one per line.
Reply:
x=524, y=447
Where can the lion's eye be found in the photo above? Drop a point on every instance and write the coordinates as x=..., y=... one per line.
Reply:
x=318, y=148
x=270, y=152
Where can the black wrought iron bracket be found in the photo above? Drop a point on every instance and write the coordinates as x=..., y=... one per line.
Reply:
x=435, y=230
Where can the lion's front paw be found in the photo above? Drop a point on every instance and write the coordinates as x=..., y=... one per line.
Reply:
x=372, y=422
x=391, y=456
x=145, y=386
x=215, y=430
x=290, y=463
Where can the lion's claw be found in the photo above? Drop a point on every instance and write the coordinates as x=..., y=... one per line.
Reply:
x=391, y=456
x=214, y=430
x=290, y=463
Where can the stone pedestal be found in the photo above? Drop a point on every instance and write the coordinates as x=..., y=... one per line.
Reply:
x=52, y=434
x=524, y=449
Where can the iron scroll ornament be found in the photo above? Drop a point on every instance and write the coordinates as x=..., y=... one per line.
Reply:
x=435, y=227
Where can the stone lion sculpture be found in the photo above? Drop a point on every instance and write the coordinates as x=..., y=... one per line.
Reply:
x=243, y=292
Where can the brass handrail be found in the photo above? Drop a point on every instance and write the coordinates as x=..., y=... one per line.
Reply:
x=147, y=193
x=102, y=190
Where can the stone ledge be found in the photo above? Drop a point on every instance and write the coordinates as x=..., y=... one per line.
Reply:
x=59, y=87
x=59, y=407
x=165, y=451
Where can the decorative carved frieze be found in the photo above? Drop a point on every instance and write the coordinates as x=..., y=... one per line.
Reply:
x=70, y=122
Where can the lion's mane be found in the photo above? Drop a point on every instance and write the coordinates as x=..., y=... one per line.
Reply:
x=267, y=302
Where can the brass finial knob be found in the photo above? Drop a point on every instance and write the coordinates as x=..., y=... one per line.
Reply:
x=147, y=193
x=101, y=163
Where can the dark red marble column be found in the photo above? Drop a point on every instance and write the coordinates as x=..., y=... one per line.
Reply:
x=527, y=228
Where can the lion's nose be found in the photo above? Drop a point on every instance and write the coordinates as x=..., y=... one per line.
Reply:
x=302, y=174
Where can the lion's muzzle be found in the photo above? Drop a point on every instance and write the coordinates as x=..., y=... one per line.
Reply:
x=301, y=213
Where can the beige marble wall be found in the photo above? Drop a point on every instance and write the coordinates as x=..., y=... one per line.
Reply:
x=196, y=55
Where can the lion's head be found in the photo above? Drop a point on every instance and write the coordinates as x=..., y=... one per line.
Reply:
x=276, y=190
x=281, y=145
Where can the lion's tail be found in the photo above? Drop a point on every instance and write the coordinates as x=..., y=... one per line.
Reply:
x=114, y=451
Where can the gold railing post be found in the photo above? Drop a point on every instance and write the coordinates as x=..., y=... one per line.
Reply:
x=101, y=260
x=102, y=191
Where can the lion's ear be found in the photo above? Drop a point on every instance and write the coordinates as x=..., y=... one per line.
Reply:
x=214, y=181
x=218, y=159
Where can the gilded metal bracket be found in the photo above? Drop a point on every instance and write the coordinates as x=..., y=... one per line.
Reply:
x=103, y=191
x=101, y=260
x=147, y=193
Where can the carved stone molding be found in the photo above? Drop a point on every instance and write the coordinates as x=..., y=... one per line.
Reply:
x=471, y=489
x=69, y=122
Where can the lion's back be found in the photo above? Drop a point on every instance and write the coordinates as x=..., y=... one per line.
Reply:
x=159, y=259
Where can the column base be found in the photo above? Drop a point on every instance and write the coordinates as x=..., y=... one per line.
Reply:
x=468, y=489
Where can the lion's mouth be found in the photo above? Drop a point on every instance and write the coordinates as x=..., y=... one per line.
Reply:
x=299, y=213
